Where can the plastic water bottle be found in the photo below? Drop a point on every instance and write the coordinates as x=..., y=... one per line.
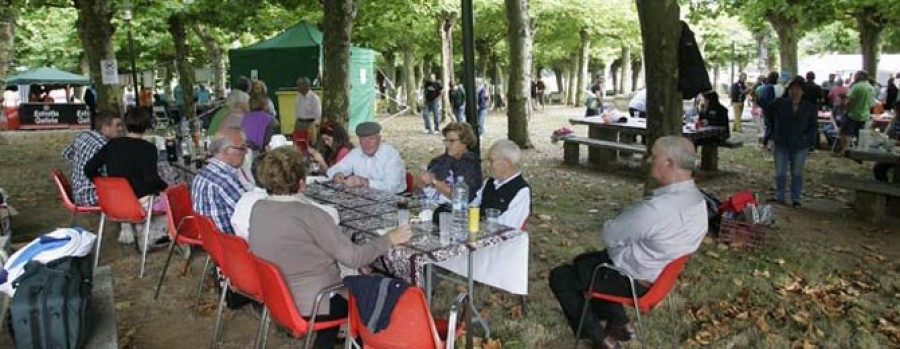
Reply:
x=460, y=210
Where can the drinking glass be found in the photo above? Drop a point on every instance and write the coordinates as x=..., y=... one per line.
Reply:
x=446, y=224
x=492, y=218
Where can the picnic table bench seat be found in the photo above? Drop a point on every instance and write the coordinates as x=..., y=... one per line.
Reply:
x=572, y=144
x=871, y=195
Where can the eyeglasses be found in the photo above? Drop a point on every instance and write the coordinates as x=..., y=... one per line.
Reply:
x=241, y=148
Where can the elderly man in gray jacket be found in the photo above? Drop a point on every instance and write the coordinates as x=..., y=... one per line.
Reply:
x=642, y=241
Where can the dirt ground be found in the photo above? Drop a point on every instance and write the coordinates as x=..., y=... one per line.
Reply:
x=823, y=240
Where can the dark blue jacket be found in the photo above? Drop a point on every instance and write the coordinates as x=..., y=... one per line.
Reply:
x=794, y=130
x=375, y=297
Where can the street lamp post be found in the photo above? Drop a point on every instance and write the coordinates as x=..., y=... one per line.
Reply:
x=126, y=15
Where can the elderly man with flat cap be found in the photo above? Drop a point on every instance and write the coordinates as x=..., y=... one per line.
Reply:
x=373, y=164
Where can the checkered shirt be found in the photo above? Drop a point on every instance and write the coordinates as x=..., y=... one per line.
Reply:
x=82, y=149
x=216, y=190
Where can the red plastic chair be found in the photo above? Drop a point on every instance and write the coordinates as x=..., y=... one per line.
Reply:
x=212, y=246
x=280, y=305
x=410, y=183
x=412, y=325
x=301, y=140
x=654, y=296
x=182, y=229
x=118, y=202
x=240, y=273
x=65, y=194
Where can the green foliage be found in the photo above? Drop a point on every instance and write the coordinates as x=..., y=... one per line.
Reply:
x=835, y=37
x=609, y=24
x=715, y=36
x=45, y=37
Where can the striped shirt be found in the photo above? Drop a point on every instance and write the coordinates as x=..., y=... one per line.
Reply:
x=216, y=190
x=82, y=149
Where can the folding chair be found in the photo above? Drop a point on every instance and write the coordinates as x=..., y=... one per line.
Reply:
x=240, y=275
x=182, y=228
x=118, y=203
x=655, y=295
x=280, y=305
x=412, y=324
x=160, y=117
x=65, y=194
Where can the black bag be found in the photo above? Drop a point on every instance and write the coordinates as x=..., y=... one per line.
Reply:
x=51, y=304
x=712, y=213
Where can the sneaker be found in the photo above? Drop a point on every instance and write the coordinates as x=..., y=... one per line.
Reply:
x=622, y=333
x=126, y=234
x=428, y=132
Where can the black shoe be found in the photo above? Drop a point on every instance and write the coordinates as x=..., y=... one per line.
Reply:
x=796, y=204
x=622, y=333
x=775, y=201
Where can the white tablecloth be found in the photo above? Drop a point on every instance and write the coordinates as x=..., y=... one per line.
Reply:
x=504, y=266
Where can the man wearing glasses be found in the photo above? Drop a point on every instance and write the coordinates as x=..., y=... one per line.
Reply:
x=372, y=165
x=218, y=187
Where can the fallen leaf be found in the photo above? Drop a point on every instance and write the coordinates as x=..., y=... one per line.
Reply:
x=763, y=324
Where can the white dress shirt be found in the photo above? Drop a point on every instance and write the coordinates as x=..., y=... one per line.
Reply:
x=308, y=107
x=385, y=170
x=652, y=233
x=240, y=219
x=639, y=101
x=519, y=208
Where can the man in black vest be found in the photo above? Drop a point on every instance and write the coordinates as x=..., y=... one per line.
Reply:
x=506, y=190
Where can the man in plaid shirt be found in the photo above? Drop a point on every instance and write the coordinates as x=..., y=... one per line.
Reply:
x=218, y=187
x=82, y=149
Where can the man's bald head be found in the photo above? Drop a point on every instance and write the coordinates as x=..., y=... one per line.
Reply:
x=229, y=145
x=674, y=159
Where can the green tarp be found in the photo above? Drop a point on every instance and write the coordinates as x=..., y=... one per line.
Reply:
x=46, y=76
x=297, y=52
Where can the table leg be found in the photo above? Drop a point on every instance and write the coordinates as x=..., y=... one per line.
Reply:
x=476, y=315
x=709, y=157
x=599, y=156
x=429, y=290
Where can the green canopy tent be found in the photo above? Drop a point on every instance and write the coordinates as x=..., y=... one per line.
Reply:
x=46, y=76
x=297, y=52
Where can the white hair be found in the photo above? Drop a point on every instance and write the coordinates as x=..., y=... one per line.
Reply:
x=680, y=150
x=237, y=97
x=508, y=150
x=222, y=139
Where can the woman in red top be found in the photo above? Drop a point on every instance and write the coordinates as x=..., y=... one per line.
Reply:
x=334, y=144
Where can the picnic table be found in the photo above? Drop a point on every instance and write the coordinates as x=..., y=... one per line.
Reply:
x=607, y=139
x=873, y=198
x=878, y=120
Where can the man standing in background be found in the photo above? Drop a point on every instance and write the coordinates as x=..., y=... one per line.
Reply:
x=738, y=95
x=308, y=109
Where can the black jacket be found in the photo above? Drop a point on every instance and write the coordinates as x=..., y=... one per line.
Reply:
x=794, y=130
x=693, y=78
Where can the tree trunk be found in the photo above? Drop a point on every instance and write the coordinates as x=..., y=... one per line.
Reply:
x=214, y=51
x=483, y=49
x=8, y=16
x=445, y=29
x=390, y=77
x=715, y=84
x=409, y=78
x=185, y=69
x=560, y=80
x=787, y=43
x=638, y=82
x=574, y=73
x=870, y=29
x=520, y=48
x=584, y=60
x=338, y=28
x=660, y=30
x=614, y=70
x=96, y=31
x=626, y=70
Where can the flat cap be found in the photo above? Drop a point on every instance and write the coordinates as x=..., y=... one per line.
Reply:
x=368, y=128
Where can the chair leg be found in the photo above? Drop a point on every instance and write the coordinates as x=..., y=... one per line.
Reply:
x=637, y=313
x=262, y=329
x=99, y=240
x=673, y=317
x=584, y=310
x=146, y=236
x=266, y=320
x=200, y=286
x=522, y=304
x=72, y=219
x=218, y=329
x=162, y=274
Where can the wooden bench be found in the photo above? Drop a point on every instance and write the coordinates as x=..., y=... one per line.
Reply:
x=572, y=144
x=871, y=195
x=103, y=311
x=709, y=154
